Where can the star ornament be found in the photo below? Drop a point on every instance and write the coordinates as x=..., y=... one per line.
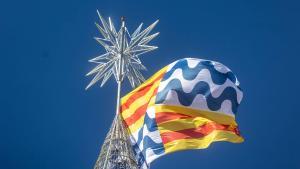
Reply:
x=121, y=46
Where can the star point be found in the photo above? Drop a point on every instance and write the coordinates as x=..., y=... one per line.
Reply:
x=117, y=44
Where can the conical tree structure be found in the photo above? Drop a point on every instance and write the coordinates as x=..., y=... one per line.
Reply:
x=116, y=151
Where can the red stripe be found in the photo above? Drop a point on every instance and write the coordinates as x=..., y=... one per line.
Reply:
x=162, y=117
x=198, y=132
x=139, y=112
x=139, y=93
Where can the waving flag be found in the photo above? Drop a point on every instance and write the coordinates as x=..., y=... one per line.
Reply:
x=186, y=105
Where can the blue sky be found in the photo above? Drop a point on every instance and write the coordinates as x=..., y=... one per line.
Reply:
x=49, y=121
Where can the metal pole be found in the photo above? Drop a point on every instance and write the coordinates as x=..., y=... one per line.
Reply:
x=119, y=83
x=120, y=66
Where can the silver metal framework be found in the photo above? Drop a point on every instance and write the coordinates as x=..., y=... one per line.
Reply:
x=121, y=60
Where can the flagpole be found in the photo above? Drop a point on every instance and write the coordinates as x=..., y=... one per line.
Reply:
x=119, y=80
x=120, y=66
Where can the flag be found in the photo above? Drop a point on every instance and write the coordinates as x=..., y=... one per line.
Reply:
x=188, y=104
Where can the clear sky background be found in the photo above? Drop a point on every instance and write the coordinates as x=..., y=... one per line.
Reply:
x=49, y=121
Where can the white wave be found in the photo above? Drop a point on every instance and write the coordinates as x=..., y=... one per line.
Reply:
x=154, y=136
x=170, y=66
x=198, y=103
x=151, y=156
x=221, y=68
x=192, y=62
x=203, y=75
x=226, y=107
x=149, y=153
x=151, y=112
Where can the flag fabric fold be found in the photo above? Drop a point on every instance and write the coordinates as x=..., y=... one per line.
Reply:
x=188, y=104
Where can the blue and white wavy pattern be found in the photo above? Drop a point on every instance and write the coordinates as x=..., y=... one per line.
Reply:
x=200, y=84
x=147, y=141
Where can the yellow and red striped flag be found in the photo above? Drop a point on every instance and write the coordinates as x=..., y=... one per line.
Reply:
x=186, y=105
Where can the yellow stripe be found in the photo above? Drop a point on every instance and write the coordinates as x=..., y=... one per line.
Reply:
x=202, y=143
x=181, y=124
x=148, y=81
x=199, y=118
x=128, y=112
x=140, y=122
x=152, y=100
x=137, y=125
x=139, y=102
x=211, y=115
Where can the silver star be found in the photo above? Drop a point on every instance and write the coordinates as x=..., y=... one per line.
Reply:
x=134, y=45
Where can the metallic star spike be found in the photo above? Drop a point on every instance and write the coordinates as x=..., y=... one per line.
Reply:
x=130, y=49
